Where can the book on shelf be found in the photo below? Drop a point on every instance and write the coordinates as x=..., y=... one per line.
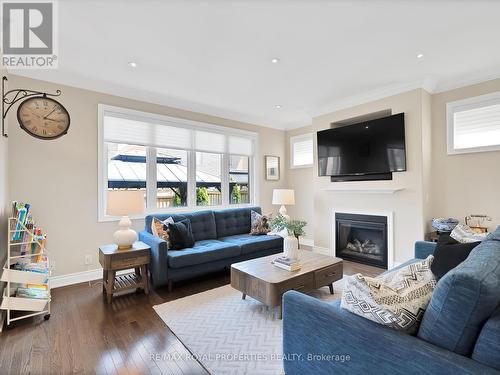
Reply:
x=32, y=293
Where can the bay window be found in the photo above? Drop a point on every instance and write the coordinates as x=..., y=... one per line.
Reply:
x=178, y=164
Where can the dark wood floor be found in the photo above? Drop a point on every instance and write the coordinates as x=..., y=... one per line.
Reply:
x=85, y=335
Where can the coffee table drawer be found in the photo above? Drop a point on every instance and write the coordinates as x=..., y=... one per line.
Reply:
x=327, y=275
x=299, y=283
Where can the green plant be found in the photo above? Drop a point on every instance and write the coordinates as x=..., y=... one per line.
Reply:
x=202, y=198
x=294, y=227
x=236, y=194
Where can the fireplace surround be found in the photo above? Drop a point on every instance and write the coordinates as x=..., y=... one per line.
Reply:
x=363, y=238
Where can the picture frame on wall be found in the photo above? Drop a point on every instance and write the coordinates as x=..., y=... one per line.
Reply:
x=272, y=166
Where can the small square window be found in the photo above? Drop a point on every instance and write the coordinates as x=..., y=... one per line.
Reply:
x=474, y=124
x=301, y=151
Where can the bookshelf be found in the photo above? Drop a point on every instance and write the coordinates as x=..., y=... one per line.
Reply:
x=26, y=271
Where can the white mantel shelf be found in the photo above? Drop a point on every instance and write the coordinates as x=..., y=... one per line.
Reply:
x=364, y=190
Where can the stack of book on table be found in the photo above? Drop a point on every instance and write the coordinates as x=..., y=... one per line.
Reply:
x=288, y=264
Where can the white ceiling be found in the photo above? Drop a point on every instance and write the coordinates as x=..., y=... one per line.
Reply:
x=215, y=56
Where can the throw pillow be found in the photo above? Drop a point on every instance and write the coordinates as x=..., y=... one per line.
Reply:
x=259, y=224
x=448, y=254
x=464, y=234
x=180, y=234
x=160, y=229
x=396, y=299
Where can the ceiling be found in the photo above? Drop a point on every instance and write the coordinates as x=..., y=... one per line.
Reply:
x=215, y=56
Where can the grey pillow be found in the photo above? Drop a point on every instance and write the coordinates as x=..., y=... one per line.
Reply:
x=259, y=224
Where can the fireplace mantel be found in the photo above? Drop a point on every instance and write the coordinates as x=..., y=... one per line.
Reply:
x=363, y=190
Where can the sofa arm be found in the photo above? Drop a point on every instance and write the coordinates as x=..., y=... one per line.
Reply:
x=424, y=248
x=322, y=338
x=159, y=262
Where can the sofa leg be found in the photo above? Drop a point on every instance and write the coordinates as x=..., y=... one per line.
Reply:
x=170, y=285
x=331, y=288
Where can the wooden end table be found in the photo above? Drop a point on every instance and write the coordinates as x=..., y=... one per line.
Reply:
x=263, y=281
x=113, y=260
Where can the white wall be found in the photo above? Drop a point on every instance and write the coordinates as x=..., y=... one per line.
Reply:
x=300, y=179
x=59, y=177
x=407, y=205
x=467, y=183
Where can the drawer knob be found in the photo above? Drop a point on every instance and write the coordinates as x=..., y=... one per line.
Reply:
x=331, y=274
x=299, y=287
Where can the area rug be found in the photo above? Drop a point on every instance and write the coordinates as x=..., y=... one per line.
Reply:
x=228, y=335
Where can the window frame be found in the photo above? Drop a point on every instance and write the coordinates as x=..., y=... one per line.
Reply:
x=298, y=138
x=463, y=105
x=151, y=180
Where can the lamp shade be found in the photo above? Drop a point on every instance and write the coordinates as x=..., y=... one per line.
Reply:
x=125, y=202
x=284, y=196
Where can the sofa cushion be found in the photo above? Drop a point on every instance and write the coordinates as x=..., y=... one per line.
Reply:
x=450, y=253
x=202, y=223
x=464, y=299
x=234, y=221
x=202, y=252
x=487, y=349
x=250, y=244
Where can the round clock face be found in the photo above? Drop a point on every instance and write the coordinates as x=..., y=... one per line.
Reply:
x=43, y=117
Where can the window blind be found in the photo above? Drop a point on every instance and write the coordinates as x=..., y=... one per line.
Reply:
x=240, y=145
x=120, y=128
x=302, y=150
x=123, y=130
x=477, y=127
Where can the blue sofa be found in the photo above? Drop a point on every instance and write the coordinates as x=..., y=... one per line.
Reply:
x=221, y=238
x=459, y=333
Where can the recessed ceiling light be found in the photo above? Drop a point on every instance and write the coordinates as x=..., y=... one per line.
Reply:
x=278, y=106
x=132, y=64
x=275, y=60
x=420, y=55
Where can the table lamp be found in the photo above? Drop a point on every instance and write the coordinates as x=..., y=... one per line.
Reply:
x=123, y=203
x=283, y=197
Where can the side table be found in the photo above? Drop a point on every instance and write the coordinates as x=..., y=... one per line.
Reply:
x=113, y=260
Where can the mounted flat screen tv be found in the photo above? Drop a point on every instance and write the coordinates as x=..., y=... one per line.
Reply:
x=365, y=150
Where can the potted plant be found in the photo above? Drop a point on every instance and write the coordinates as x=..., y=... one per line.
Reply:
x=295, y=229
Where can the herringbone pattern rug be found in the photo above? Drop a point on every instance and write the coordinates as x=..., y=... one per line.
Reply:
x=229, y=335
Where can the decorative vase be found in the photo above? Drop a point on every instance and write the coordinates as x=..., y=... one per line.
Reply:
x=291, y=247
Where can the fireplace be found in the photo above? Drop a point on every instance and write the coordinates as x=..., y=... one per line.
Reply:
x=362, y=238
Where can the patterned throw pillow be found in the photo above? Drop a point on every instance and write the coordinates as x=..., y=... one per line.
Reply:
x=397, y=299
x=464, y=234
x=160, y=229
x=259, y=224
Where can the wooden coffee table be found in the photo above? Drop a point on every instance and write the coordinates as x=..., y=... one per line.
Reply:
x=263, y=281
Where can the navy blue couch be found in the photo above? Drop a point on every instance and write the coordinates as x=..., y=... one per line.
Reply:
x=459, y=333
x=222, y=238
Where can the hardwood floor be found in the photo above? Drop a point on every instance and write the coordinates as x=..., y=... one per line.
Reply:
x=85, y=335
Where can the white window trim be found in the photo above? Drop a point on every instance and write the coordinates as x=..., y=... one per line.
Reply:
x=298, y=138
x=102, y=165
x=465, y=104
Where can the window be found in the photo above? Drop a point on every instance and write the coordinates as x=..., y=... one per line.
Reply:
x=239, y=179
x=474, y=124
x=178, y=164
x=208, y=179
x=301, y=151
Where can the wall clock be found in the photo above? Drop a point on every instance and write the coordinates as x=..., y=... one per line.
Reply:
x=38, y=114
x=43, y=117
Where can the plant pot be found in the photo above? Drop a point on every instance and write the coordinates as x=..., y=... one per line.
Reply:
x=291, y=247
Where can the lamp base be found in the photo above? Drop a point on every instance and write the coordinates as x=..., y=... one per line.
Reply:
x=125, y=237
x=283, y=213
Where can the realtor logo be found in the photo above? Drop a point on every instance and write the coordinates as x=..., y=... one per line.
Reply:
x=28, y=35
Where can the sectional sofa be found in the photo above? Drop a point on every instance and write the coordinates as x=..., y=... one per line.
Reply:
x=222, y=238
x=459, y=333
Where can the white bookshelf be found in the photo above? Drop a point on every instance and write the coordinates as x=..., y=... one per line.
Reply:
x=27, y=307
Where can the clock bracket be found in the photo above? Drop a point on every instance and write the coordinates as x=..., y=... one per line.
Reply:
x=11, y=97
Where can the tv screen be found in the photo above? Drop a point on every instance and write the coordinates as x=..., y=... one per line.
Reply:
x=371, y=147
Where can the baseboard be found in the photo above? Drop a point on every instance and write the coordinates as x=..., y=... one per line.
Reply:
x=79, y=277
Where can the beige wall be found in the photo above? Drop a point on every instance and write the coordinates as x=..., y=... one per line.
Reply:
x=4, y=195
x=407, y=204
x=300, y=179
x=467, y=183
x=59, y=177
